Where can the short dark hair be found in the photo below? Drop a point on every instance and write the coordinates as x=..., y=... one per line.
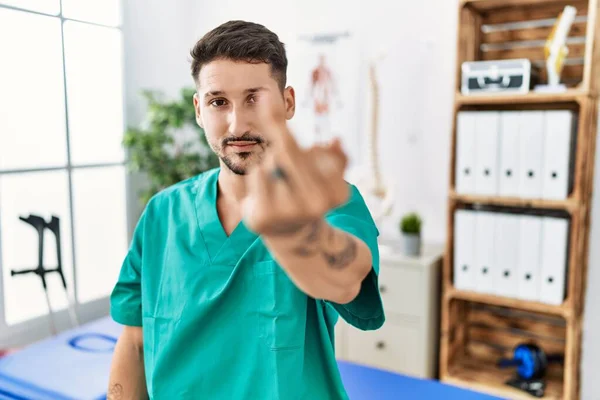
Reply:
x=241, y=41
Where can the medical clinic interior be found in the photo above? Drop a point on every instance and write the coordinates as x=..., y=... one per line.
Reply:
x=468, y=130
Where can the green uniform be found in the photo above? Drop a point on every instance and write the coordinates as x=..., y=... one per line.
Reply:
x=221, y=320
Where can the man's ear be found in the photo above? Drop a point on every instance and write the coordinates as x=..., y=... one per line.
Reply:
x=197, y=109
x=289, y=97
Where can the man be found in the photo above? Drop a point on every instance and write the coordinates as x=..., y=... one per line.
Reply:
x=235, y=278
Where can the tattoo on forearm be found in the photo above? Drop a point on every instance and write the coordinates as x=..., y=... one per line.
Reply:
x=115, y=392
x=287, y=229
x=307, y=247
x=314, y=233
x=342, y=258
x=335, y=259
x=304, y=251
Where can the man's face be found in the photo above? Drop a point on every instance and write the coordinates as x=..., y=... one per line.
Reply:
x=229, y=102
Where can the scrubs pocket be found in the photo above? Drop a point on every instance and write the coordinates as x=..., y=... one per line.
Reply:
x=281, y=307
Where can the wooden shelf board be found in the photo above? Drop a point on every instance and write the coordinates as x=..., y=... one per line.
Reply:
x=524, y=305
x=487, y=5
x=482, y=377
x=569, y=96
x=569, y=205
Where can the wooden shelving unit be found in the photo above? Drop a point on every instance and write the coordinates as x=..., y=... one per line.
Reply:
x=569, y=96
x=477, y=329
x=480, y=376
x=569, y=205
x=508, y=302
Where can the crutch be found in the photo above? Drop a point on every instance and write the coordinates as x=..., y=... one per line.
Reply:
x=40, y=225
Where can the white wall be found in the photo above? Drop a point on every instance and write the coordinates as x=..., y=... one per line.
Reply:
x=157, y=39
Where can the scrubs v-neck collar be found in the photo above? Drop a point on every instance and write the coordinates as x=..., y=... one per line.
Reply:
x=222, y=249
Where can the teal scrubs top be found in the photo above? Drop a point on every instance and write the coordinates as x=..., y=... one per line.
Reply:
x=220, y=318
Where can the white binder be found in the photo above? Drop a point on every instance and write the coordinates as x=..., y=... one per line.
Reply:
x=464, y=250
x=529, y=265
x=554, y=260
x=506, y=257
x=531, y=133
x=509, y=174
x=484, y=252
x=487, y=125
x=465, y=153
x=557, y=154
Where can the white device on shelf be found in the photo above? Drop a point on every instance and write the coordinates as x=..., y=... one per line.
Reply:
x=497, y=76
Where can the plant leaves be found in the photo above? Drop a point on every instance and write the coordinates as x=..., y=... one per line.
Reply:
x=148, y=147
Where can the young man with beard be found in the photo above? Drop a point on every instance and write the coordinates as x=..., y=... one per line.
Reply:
x=235, y=278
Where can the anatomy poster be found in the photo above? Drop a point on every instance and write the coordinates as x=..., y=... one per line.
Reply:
x=325, y=72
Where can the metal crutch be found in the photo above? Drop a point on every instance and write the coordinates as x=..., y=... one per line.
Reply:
x=54, y=226
x=39, y=224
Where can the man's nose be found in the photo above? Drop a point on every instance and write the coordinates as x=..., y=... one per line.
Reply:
x=239, y=121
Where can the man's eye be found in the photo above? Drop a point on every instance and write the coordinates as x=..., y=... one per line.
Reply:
x=252, y=99
x=218, y=102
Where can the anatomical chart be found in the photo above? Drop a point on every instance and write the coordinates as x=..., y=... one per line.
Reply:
x=325, y=73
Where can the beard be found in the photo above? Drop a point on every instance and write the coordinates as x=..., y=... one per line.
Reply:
x=232, y=166
x=241, y=165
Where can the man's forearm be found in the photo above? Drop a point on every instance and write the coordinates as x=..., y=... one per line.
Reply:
x=127, y=378
x=325, y=262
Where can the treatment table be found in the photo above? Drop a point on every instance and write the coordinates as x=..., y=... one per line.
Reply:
x=75, y=365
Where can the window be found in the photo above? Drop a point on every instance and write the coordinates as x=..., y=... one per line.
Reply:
x=61, y=126
x=50, y=7
x=43, y=193
x=32, y=96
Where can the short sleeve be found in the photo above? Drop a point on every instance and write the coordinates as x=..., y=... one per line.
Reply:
x=365, y=312
x=126, y=297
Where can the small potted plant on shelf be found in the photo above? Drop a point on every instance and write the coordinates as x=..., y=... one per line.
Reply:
x=410, y=228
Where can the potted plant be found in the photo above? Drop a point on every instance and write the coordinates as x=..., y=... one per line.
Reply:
x=410, y=228
x=170, y=146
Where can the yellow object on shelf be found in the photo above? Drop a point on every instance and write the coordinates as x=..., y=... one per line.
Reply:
x=556, y=50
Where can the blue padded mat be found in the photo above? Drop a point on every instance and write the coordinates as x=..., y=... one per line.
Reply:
x=364, y=383
x=75, y=365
